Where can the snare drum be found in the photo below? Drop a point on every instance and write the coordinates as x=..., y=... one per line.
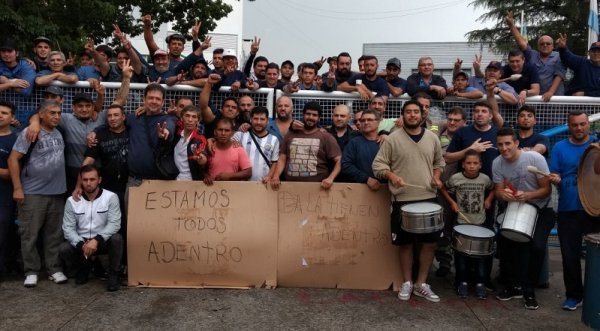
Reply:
x=518, y=222
x=473, y=240
x=422, y=217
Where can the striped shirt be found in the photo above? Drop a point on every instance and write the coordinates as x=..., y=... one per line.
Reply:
x=270, y=147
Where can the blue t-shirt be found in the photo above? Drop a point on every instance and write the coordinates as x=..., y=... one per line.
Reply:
x=379, y=85
x=87, y=72
x=564, y=161
x=6, y=188
x=23, y=70
x=529, y=76
x=357, y=159
x=466, y=136
x=533, y=140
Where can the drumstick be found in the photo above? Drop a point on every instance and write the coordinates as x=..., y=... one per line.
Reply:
x=535, y=170
x=465, y=217
x=512, y=78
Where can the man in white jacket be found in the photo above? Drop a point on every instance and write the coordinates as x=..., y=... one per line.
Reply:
x=90, y=226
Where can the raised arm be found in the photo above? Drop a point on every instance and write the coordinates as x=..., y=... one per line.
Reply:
x=207, y=114
x=148, y=35
x=519, y=39
x=121, y=98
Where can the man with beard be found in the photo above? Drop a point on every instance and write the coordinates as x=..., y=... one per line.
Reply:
x=529, y=83
x=545, y=60
x=528, y=139
x=56, y=71
x=272, y=78
x=340, y=128
x=15, y=73
x=360, y=152
x=198, y=75
x=91, y=226
x=413, y=154
x=261, y=146
x=396, y=84
x=425, y=81
x=246, y=104
x=259, y=64
x=514, y=183
x=573, y=221
x=227, y=162
x=305, y=154
x=281, y=125
x=41, y=51
x=368, y=83
x=493, y=71
x=343, y=72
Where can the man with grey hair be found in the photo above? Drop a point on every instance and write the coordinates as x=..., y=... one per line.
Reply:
x=37, y=171
x=546, y=61
x=425, y=81
x=56, y=63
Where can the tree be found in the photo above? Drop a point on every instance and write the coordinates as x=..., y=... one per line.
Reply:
x=544, y=17
x=68, y=23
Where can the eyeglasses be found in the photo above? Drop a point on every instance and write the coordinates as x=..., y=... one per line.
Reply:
x=362, y=120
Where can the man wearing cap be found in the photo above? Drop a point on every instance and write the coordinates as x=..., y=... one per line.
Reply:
x=287, y=71
x=41, y=49
x=396, y=84
x=493, y=71
x=175, y=43
x=56, y=62
x=15, y=73
x=460, y=87
x=425, y=81
x=54, y=93
x=545, y=60
x=180, y=73
x=528, y=85
x=230, y=76
x=368, y=83
x=305, y=154
x=586, y=72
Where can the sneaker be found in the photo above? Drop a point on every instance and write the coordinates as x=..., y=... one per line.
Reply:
x=480, y=291
x=463, y=290
x=30, y=281
x=531, y=302
x=425, y=291
x=405, y=291
x=571, y=304
x=58, y=278
x=510, y=293
x=113, y=283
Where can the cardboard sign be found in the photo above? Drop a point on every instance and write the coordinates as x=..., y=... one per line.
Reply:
x=187, y=234
x=335, y=238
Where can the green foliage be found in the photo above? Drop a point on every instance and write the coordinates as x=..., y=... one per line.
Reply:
x=68, y=23
x=544, y=17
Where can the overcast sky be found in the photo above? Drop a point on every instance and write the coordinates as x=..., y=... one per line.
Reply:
x=305, y=30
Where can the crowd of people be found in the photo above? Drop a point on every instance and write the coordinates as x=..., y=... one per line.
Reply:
x=68, y=172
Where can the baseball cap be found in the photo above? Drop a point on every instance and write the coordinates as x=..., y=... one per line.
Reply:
x=394, y=62
x=177, y=36
x=8, y=44
x=82, y=97
x=54, y=90
x=229, y=53
x=495, y=65
x=160, y=52
x=595, y=46
x=461, y=73
x=41, y=39
x=287, y=62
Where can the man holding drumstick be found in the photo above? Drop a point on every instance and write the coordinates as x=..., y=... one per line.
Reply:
x=514, y=183
x=412, y=154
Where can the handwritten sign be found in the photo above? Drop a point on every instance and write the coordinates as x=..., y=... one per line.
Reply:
x=336, y=238
x=187, y=234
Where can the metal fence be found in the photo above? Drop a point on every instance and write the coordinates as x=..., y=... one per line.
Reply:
x=549, y=114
